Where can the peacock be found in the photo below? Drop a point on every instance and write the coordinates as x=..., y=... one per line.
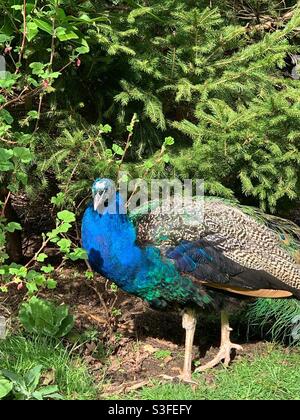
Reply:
x=176, y=261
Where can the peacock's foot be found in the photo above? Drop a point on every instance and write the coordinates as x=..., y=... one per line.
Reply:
x=223, y=354
x=187, y=379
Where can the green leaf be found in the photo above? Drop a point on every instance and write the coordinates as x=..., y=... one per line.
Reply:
x=31, y=287
x=17, y=270
x=105, y=128
x=84, y=49
x=166, y=158
x=13, y=226
x=78, y=254
x=5, y=156
x=47, y=269
x=44, y=26
x=6, y=116
x=23, y=154
x=22, y=177
x=64, y=245
x=37, y=68
x=51, y=284
x=17, y=7
x=32, y=377
x=31, y=31
x=58, y=200
x=64, y=34
x=4, y=38
x=169, y=141
x=41, y=257
x=5, y=387
x=34, y=115
x=117, y=150
x=42, y=317
x=66, y=216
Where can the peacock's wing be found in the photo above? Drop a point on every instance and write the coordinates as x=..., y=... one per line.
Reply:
x=227, y=245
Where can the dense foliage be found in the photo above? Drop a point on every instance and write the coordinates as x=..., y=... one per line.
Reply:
x=91, y=88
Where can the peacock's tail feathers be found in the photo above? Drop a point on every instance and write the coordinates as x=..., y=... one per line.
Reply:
x=245, y=235
x=278, y=318
x=288, y=231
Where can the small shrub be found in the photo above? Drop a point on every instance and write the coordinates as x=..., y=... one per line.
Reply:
x=27, y=387
x=41, y=317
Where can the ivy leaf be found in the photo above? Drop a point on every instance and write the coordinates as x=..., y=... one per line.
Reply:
x=66, y=216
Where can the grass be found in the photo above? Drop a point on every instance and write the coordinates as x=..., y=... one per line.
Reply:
x=271, y=376
x=20, y=354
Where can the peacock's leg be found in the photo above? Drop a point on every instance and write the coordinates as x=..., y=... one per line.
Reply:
x=189, y=321
x=226, y=346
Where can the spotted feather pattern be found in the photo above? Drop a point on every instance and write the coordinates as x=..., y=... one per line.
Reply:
x=239, y=236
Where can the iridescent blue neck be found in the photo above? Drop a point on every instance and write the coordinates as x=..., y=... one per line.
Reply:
x=110, y=240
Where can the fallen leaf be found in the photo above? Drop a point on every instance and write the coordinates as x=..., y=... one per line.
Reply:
x=150, y=349
x=48, y=377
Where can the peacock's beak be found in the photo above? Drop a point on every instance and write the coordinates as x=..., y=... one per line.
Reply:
x=98, y=199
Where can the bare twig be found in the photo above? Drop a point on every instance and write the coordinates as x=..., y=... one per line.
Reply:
x=52, y=45
x=21, y=97
x=100, y=297
x=39, y=112
x=134, y=120
x=43, y=246
x=5, y=204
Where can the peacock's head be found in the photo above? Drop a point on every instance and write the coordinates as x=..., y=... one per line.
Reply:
x=103, y=191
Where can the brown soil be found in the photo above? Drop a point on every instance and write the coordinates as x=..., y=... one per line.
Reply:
x=126, y=342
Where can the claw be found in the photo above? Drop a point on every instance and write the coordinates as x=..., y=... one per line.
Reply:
x=226, y=346
x=223, y=354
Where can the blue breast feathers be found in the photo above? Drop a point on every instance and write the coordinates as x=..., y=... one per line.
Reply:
x=110, y=241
